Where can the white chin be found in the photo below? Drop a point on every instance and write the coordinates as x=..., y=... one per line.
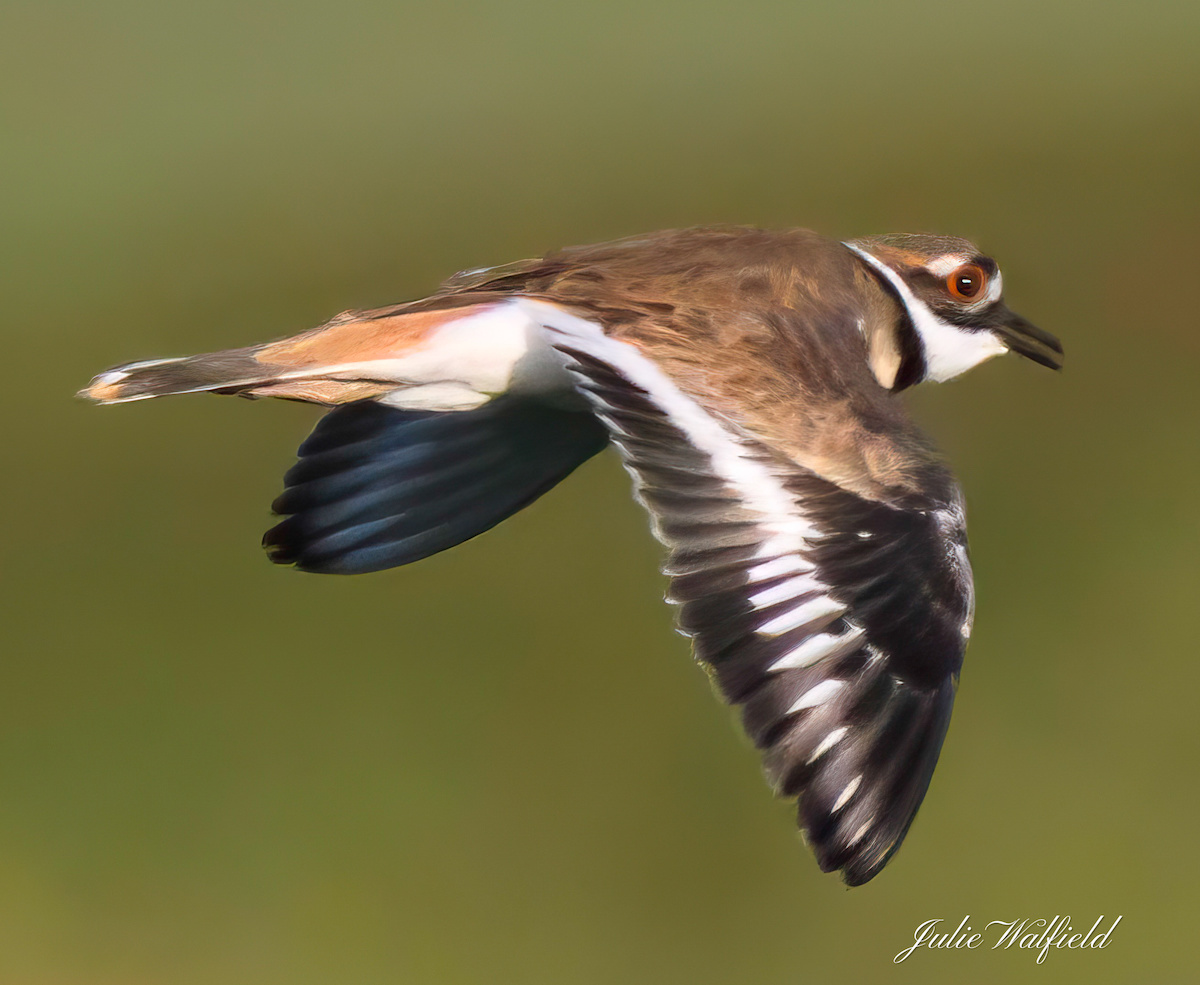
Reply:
x=950, y=350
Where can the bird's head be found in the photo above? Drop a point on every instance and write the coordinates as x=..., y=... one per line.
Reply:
x=953, y=314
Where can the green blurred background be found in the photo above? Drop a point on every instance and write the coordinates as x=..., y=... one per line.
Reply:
x=499, y=765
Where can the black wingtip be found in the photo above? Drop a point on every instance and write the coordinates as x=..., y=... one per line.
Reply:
x=877, y=781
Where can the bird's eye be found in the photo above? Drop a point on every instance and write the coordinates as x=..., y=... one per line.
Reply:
x=967, y=282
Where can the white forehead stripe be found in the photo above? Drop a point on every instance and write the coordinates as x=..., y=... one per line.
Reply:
x=944, y=266
x=949, y=350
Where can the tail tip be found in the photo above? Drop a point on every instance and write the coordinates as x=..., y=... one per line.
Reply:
x=105, y=388
x=126, y=382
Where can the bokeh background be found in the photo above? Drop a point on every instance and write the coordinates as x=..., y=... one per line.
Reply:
x=499, y=765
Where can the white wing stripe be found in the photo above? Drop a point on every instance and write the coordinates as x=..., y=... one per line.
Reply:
x=862, y=830
x=790, y=589
x=816, y=648
x=817, y=695
x=788, y=565
x=811, y=611
x=827, y=743
x=846, y=794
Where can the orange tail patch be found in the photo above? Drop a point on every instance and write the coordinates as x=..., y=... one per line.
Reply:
x=304, y=367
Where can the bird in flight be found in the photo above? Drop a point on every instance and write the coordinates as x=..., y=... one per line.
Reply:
x=748, y=379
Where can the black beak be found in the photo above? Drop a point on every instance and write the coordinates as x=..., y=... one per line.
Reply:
x=1026, y=339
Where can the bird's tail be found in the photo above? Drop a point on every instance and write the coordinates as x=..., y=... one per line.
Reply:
x=458, y=354
x=231, y=371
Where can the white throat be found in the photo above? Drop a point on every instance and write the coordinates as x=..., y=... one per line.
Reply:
x=949, y=350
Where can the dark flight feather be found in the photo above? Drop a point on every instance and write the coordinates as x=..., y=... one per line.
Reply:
x=378, y=487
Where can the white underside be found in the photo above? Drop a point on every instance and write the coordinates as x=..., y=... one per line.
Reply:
x=463, y=364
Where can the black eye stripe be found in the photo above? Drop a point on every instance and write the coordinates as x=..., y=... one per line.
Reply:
x=976, y=320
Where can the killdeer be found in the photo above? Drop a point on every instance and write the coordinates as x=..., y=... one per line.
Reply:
x=748, y=379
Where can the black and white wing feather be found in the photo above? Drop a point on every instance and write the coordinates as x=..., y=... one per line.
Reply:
x=838, y=624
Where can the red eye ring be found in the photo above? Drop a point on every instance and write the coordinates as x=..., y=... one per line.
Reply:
x=967, y=283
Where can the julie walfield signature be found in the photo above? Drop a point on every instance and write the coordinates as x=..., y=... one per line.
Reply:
x=1034, y=934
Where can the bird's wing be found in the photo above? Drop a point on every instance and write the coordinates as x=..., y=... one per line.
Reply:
x=377, y=487
x=837, y=623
